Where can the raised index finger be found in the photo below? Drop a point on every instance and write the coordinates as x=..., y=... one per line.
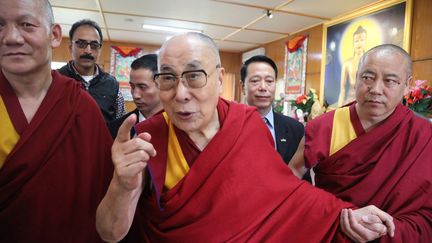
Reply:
x=123, y=134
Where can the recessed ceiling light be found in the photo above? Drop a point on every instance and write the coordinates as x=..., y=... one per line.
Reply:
x=269, y=13
x=168, y=29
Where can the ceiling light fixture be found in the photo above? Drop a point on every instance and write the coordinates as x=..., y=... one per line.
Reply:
x=168, y=29
x=269, y=13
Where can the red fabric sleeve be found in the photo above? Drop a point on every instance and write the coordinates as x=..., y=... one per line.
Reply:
x=317, y=139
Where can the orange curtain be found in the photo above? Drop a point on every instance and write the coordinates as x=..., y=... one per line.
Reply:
x=228, y=85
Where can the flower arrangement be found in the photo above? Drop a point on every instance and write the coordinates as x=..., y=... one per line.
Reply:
x=305, y=102
x=419, y=98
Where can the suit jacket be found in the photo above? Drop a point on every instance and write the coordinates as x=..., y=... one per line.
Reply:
x=288, y=132
x=114, y=125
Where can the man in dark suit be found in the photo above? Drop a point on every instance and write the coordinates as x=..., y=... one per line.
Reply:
x=144, y=92
x=258, y=79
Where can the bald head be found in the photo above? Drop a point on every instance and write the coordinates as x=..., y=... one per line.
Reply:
x=390, y=49
x=48, y=12
x=206, y=40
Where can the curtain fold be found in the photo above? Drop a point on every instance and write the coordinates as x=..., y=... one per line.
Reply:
x=228, y=91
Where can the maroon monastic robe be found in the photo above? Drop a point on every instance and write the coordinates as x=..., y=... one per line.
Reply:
x=54, y=178
x=236, y=190
x=389, y=167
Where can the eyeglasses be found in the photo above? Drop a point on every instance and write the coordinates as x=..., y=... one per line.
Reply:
x=94, y=45
x=195, y=79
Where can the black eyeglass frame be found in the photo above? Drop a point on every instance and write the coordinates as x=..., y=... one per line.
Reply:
x=177, y=78
x=94, y=45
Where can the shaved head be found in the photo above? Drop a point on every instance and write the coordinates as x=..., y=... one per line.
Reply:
x=48, y=12
x=390, y=48
x=199, y=36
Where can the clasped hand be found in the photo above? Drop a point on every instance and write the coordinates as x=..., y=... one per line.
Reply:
x=366, y=224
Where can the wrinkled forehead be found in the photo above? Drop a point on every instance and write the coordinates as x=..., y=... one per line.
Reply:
x=385, y=62
x=382, y=57
x=185, y=53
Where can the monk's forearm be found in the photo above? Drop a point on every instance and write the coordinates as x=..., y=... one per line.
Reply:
x=297, y=163
x=412, y=227
x=116, y=211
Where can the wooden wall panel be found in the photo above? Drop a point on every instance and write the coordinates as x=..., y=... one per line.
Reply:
x=231, y=62
x=421, y=47
x=314, y=51
x=313, y=81
x=62, y=54
x=423, y=70
x=276, y=51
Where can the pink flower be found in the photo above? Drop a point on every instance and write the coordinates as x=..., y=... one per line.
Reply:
x=419, y=82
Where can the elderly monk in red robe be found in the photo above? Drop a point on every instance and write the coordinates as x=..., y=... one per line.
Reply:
x=55, y=160
x=376, y=151
x=206, y=169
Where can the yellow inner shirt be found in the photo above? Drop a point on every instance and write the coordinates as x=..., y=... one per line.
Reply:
x=8, y=135
x=343, y=131
x=177, y=166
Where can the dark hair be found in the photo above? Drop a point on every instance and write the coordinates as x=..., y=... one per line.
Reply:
x=148, y=61
x=87, y=22
x=257, y=58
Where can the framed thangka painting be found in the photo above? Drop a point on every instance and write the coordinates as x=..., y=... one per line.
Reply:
x=295, y=66
x=347, y=38
x=121, y=59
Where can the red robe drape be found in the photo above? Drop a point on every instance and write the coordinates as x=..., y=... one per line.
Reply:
x=57, y=173
x=237, y=190
x=389, y=167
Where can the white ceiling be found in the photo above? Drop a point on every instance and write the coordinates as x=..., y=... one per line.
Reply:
x=236, y=25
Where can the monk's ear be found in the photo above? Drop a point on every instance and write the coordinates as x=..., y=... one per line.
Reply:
x=220, y=78
x=56, y=35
